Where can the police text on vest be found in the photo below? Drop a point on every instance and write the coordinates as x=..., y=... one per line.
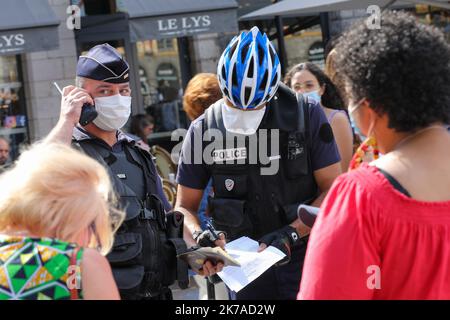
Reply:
x=229, y=154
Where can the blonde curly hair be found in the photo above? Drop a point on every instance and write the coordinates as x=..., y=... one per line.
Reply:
x=57, y=192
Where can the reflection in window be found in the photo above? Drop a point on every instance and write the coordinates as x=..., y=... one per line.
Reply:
x=435, y=16
x=165, y=44
x=159, y=70
x=305, y=45
x=13, y=119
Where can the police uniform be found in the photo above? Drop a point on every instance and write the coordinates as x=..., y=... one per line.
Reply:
x=143, y=257
x=248, y=203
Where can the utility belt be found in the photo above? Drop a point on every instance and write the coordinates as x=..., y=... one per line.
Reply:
x=143, y=257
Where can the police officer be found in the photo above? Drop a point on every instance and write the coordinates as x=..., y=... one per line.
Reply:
x=251, y=199
x=143, y=258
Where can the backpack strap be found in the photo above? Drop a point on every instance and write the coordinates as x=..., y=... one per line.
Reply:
x=301, y=122
x=304, y=121
x=213, y=118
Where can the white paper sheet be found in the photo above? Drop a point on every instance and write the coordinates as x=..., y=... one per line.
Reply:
x=253, y=263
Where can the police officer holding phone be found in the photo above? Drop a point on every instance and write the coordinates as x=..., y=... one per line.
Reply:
x=143, y=258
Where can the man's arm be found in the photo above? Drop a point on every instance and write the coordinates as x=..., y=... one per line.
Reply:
x=71, y=103
x=188, y=201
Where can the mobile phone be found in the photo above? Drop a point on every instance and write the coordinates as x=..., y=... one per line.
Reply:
x=88, y=112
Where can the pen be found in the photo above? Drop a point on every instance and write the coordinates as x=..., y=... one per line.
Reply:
x=212, y=230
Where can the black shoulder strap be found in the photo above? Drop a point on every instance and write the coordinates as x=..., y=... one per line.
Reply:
x=92, y=152
x=87, y=148
x=303, y=119
x=394, y=182
x=301, y=125
x=213, y=118
x=144, y=159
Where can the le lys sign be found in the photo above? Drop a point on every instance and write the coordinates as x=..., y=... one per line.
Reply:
x=184, y=23
x=10, y=41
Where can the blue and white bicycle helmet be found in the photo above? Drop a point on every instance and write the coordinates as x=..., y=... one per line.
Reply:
x=249, y=70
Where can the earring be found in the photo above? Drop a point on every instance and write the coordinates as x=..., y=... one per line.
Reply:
x=369, y=145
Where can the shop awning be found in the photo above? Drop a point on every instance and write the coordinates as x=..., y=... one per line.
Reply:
x=26, y=26
x=159, y=19
x=311, y=7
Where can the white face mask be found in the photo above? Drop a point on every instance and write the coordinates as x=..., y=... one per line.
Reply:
x=239, y=121
x=113, y=112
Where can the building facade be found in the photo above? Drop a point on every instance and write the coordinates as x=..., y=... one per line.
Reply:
x=164, y=46
x=161, y=67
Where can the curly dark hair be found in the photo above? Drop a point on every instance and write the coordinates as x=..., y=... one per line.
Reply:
x=402, y=69
x=331, y=97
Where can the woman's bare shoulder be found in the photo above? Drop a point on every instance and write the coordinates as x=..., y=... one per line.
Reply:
x=97, y=278
x=340, y=119
x=92, y=257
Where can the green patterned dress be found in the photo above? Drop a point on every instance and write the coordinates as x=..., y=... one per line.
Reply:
x=38, y=269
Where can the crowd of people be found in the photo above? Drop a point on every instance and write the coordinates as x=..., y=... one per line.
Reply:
x=83, y=214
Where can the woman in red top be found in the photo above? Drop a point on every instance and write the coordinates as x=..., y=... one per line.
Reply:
x=384, y=228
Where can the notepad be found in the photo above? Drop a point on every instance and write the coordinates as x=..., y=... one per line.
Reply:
x=252, y=263
x=196, y=257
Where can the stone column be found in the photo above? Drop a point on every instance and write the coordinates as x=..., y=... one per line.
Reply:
x=206, y=51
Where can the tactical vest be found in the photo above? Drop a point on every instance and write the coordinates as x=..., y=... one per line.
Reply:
x=247, y=202
x=143, y=257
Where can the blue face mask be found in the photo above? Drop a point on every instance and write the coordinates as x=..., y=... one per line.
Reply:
x=356, y=129
x=313, y=95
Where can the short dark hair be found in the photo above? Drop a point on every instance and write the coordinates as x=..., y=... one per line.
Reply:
x=138, y=124
x=331, y=97
x=402, y=69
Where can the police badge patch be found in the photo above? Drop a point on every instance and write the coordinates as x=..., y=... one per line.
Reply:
x=229, y=184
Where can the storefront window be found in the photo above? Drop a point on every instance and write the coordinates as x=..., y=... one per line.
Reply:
x=13, y=118
x=97, y=7
x=305, y=45
x=159, y=69
x=437, y=17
